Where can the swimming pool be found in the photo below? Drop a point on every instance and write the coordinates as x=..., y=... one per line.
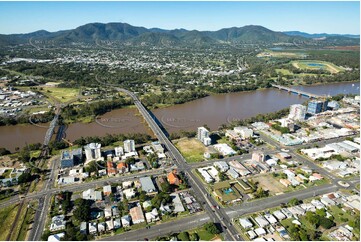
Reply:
x=228, y=191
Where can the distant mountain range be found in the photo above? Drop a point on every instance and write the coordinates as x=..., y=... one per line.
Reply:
x=322, y=35
x=123, y=33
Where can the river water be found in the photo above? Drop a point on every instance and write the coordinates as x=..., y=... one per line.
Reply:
x=213, y=110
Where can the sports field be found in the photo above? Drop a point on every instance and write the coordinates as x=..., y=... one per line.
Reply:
x=316, y=65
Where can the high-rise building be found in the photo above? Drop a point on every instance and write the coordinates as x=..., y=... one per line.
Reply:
x=92, y=151
x=129, y=146
x=203, y=135
x=315, y=106
x=119, y=151
x=297, y=112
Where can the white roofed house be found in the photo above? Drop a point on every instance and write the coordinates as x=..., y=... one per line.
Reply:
x=270, y=218
x=57, y=223
x=93, y=228
x=245, y=223
x=83, y=227
x=233, y=173
x=117, y=224
x=279, y=215
x=109, y=225
x=91, y=194
x=126, y=220
x=261, y=221
x=221, y=165
x=152, y=216
x=101, y=227
x=108, y=212
x=56, y=237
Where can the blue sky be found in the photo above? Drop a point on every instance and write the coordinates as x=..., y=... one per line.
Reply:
x=311, y=17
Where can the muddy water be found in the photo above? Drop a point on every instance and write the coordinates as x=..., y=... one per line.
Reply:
x=213, y=111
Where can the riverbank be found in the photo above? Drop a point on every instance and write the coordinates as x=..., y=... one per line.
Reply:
x=213, y=110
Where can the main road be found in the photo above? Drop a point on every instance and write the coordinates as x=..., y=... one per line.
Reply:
x=217, y=215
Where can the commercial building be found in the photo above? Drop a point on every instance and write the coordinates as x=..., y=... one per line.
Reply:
x=297, y=112
x=224, y=149
x=129, y=146
x=71, y=158
x=92, y=151
x=244, y=132
x=315, y=107
x=203, y=136
x=258, y=156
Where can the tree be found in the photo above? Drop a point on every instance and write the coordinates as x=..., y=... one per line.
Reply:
x=223, y=176
x=326, y=223
x=143, y=196
x=25, y=177
x=194, y=237
x=82, y=212
x=260, y=192
x=4, y=151
x=293, y=202
x=211, y=228
x=184, y=236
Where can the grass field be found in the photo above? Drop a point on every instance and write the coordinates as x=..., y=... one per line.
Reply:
x=61, y=94
x=281, y=54
x=268, y=182
x=316, y=65
x=7, y=216
x=283, y=71
x=191, y=149
x=203, y=234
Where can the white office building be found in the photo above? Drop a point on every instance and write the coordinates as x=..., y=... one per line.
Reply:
x=129, y=146
x=297, y=112
x=92, y=151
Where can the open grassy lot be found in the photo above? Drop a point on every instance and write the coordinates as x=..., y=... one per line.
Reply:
x=281, y=54
x=283, y=71
x=7, y=216
x=316, y=65
x=268, y=182
x=191, y=149
x=203, y=235
x=60, y=93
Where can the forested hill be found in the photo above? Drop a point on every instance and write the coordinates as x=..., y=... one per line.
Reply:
x=126, y=34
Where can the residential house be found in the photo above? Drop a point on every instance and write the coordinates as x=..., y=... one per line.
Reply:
x=91, y=194
x=83, y=228
x=101, y=227
x=117, y=224
x=109, y=225
x=122, y=167
x=148, y=185
x=245, y=223
x=126, y=220
x=177, y=203
x=279, y=215
x=221, y=165
x=261, y=221
x=270, y=218
x=137, y=215
x=56, y=237
x=115, y=211
x=107, y=190
x=173, y=178
x=108, y=212
x=111, y=170
x=93, y=228
x=57, y=223
x=152, y=216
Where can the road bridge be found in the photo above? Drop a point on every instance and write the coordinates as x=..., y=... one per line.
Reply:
x=298, y=92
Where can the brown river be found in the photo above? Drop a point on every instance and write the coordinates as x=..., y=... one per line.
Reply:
x=213, y=110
